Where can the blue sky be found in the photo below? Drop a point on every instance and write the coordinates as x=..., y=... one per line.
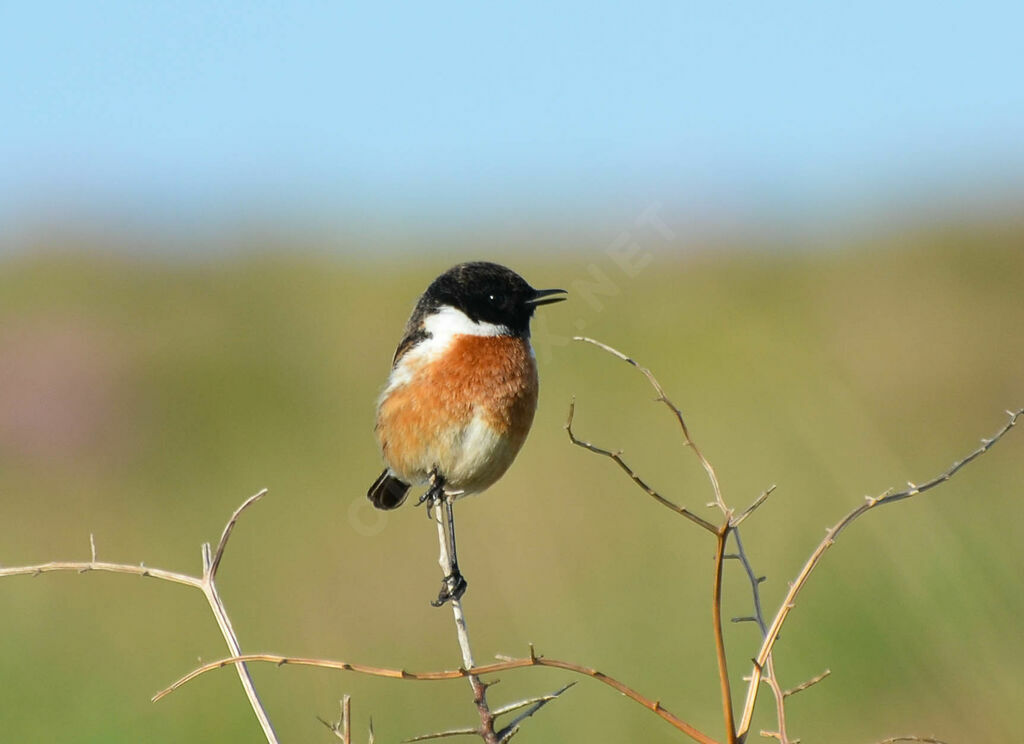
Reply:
x=460, y=111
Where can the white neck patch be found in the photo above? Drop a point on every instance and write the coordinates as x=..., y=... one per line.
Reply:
x=444, y=326
x=449, y=322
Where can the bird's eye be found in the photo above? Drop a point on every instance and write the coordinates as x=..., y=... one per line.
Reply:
x=492, y=298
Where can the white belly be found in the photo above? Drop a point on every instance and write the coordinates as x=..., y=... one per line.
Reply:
x=476, y=457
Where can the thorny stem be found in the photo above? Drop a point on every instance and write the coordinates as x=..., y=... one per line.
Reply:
x=764, y=667
x=486, y=730
x=532, y=660
x=206, y=584
x=616, y=457
x=721, y=533
x=716, y=613
x=829, y=540
x=663, y=398
x=220, y=613
x=769, y=667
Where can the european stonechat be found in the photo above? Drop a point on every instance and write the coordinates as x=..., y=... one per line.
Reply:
x=462, y=392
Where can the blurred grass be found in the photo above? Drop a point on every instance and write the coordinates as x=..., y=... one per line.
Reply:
x=143, y=399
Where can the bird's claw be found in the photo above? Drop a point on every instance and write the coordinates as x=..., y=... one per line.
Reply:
x=453, y=586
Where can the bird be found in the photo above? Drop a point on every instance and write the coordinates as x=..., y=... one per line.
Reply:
x=461, y=395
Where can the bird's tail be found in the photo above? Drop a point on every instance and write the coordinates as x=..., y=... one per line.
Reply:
x=388, y=492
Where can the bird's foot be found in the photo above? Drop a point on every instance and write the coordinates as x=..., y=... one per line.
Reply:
x=434, y=493
x=453, y=586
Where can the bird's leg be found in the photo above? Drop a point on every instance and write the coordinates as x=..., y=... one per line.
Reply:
x=453, y=585
x=434, y=494
x=457, y=581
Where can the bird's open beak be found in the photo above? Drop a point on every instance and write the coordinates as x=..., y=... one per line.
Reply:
x=543, y=297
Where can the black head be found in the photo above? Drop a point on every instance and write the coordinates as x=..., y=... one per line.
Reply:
x=490, y=293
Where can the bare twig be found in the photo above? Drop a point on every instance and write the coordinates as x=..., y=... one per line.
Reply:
x=764, y=663
x=925, y=739
x=716, y=614
x=809, y=683
x=342, y=728
x=510, y=707
x=346, y=719
x=780, y=704
x=468, y=731
x=831, y=535
x=755, y=580
x=533, y=660
x=229, y=528
x=617, y=458
x=780, y=737
x=220, y=613
x=768, y=672
x=738, y=519
x=662, y=398
x=87, y=566
x=206, y=584
x=721, y=533
x=532, y=706
x=486, y=730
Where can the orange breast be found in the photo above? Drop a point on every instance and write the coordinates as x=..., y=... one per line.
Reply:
x=425, y=423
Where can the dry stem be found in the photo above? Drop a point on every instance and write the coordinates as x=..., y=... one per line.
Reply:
x=616, y=457
x=207, y=584
x=662, y=398
x=486, y=730
x=342, y=728
x=721, y=533
x=831, y=535
x=764, y=667
x=768, y=673
x=518, y=663
x=716, y=614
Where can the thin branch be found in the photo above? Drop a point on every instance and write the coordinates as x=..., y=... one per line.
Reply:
x=220, y=613
x=770, y=678
x=229, y=528
x=925, y=739
x=831, y=535
x=342, y=728
x=723, y=661
x=617, y=458
x=87, y=566
x=206, y=584
x=781, y=737
x=346, y=719
x=535, y=704
x=738, y=519
x=804, y=685
x=509, y=707
x=470, y=731
x=486, y=730
x=721, y=533
x=755, y=580
x=768, y=672
x=532, y=660
x=663, y=398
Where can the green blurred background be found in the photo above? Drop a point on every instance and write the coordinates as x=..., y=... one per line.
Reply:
x=805, y=218
x=144, y=399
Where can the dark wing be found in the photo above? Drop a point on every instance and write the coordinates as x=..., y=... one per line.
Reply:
x=412, y=337
x=388, y=492
x=414, y=330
